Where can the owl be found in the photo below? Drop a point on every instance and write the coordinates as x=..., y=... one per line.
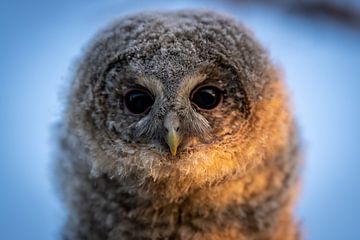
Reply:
x=177, y=125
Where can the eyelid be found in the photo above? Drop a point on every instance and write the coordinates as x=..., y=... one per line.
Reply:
x=201, y=85
x=139, y=88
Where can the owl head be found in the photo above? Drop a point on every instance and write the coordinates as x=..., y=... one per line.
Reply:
x=176, y=101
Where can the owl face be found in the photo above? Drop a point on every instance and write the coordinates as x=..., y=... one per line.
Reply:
x=184, y=99
x=176, y=115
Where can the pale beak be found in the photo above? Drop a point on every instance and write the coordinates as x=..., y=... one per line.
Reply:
x=173, y=140
x=173, y=137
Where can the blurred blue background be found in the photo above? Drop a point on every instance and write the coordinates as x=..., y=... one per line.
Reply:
x=39, y=41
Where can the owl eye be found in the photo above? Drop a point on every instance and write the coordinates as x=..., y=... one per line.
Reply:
x=206, y=97
x=138, y=101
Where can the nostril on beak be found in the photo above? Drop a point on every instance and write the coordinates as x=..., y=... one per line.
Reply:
x=176, y=129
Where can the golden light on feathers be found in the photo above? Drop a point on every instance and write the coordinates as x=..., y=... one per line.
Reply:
x=178, y=127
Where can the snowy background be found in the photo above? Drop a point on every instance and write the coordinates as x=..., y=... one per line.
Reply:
x=39, y=41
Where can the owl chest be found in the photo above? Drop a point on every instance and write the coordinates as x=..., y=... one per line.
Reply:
x=211, y=214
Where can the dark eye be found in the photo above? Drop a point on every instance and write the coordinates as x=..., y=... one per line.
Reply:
x=138, y=101
x=206, y=97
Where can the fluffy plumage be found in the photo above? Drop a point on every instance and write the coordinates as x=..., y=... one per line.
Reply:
x=235, y=173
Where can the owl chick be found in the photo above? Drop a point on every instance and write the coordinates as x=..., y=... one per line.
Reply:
x=177, y=126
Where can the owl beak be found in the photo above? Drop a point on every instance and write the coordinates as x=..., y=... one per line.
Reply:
x=173, y=140
x=172, y=125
